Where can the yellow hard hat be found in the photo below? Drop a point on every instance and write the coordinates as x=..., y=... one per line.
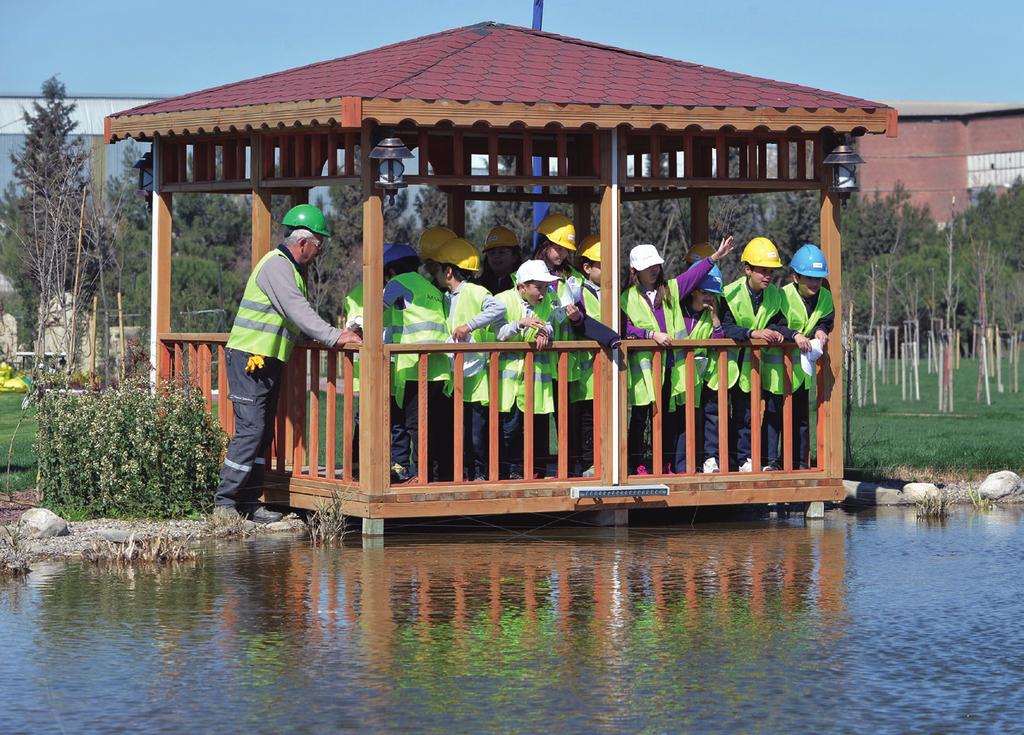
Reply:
x=458, y=252
x=500, y=237
x=558, y=229
x=761, y=252
x=433, y=238
x=590, y=248
x=698, y=252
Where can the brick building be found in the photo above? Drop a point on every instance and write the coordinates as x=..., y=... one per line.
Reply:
x=946, y=150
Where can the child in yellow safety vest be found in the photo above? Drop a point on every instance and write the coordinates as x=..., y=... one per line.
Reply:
x=653, y=308
x=528, y=311
x=413, y=314
x=754, y=309
x=810, y=312
x=472, y=313
x=501, y=256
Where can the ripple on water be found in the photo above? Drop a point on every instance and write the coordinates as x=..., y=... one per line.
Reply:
x=866, y=622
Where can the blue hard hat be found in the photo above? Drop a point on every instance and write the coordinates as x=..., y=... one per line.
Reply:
x=809, y=261
x=712, y=281
x=397, y=251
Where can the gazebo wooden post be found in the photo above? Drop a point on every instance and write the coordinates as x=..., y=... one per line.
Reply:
x=457, y=210
x=375, y=383
x=160, y=283
x=833, y=408
x=609, y=375
x=699, y=207
x=261, y=220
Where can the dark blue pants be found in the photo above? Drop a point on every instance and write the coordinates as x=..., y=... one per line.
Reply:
x=581, y=436
x=801, y=424
x=511, y=461
x=475, y=432
x=771, y=427
x=405, y=431
x=708, y=415
x=673, y=436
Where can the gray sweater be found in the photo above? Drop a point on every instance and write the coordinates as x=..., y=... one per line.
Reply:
x=277, y=279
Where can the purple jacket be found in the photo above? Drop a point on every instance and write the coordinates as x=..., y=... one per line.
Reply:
x=687, y=281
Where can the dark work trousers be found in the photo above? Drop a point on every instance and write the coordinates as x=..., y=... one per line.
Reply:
x=707, y=420
x=801, y=422
x=254, y=401
x=641, y=433
x=581, y=436
x=475, y=440
x=739, y=427
x=405, y=422
x=511, y=462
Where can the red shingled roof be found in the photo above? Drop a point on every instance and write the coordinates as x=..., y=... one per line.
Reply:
x=499, y=63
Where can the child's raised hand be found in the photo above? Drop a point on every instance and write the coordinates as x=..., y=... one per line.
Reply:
x=724, y=248
x=461, y=333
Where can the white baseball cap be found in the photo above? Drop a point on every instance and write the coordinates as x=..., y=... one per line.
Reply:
x=644, y=256
x=534, y=270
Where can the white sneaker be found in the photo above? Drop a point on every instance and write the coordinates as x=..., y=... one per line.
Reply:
x=710, y=465
x=747, y=466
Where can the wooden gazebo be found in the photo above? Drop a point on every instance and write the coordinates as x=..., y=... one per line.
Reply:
x=609, y=125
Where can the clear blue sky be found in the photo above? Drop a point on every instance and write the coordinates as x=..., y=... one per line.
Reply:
x=899, y=49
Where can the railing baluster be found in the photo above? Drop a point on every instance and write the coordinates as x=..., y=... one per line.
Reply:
x=314, y=413
x=821, y=411
x=206, y=375
x=179, y=361
x=691, y=414
x=723, y=409
x=348, y=416
x=563, y=415
x=330, y=422
x=493, y=427
x=657, y=415
x=458, y=414
x=528, y=417
x=787, y=410
x=298, y=422
x=755, y=409
x=192, y=369
x=422, y=455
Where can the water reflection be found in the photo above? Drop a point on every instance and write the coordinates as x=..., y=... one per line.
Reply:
x=589, y=630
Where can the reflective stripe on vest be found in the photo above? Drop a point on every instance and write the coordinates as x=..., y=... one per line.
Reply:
x=476, y=382
x=258, y=327
x=512, y=388
x=737, y=296
x=421, y=321
x=797, y=319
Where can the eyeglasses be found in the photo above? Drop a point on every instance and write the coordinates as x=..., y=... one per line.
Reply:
x=318, y=242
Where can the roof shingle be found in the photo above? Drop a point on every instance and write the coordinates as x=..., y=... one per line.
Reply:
x=492, y=62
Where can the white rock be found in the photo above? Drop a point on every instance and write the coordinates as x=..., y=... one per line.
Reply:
x=1001, y=485
x=114, y=535
x=42, y=523
x=285, y=525
x=918, y=492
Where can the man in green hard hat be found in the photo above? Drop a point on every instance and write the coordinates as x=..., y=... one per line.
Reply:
x=273, y=312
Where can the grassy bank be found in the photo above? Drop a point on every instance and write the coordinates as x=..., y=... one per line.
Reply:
x=898, y=438
x=23, y=468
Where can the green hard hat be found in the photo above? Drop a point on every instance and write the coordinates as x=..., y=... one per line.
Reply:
x=307, y=217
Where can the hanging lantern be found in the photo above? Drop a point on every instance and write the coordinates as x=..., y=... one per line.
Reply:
x=844, y=161
x=390, y=152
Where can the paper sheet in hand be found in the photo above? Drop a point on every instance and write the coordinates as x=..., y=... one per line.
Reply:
x=809, y=359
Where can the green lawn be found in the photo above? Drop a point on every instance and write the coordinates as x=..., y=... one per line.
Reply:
x=22, y=473
x=976, y=439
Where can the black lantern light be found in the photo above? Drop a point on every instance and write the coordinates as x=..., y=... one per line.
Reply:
x=145, y=168
x=391, y=173
x=844, y=161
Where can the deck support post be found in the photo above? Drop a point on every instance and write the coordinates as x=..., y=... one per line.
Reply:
x=815, y=510
x=373, y=526
x=608, y=518
x=375, y=383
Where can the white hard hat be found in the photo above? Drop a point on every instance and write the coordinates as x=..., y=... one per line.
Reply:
x=534, y=270
x=644, y=256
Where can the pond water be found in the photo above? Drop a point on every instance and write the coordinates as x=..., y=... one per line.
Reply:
x=873, y=622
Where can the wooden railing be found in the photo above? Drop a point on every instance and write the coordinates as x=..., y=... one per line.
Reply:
x=315, y=434
x=717, y=349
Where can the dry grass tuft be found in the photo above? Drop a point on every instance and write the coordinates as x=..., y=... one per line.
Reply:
x=328, y=523
x=148, y=550
x=934, y=507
